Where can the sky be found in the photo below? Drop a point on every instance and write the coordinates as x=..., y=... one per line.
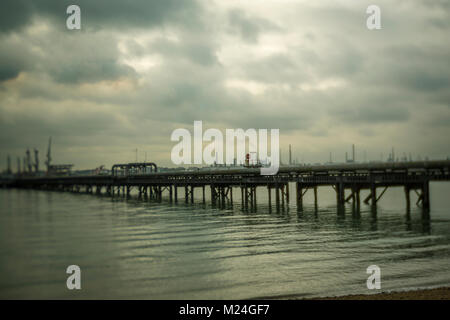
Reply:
x=137, y=70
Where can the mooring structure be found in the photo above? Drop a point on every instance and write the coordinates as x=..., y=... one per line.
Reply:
x=348, y=180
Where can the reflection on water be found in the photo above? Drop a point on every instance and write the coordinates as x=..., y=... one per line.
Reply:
x=143, y=249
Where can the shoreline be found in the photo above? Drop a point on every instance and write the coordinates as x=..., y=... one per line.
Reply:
x=441, y=293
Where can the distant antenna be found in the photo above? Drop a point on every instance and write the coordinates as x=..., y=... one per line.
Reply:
x=290, y=155
x=9, y=165
x=18, y=165
x=353, y=151
x=36, y=160
x=29, y=165
x=49, y=156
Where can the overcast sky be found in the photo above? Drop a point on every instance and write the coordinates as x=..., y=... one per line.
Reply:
x=137, y=70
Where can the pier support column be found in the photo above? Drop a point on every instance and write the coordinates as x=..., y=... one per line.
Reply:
x=316, y=204
x=373, y=194
x=203, y=194
x=426, y=196
x=175, y=189
x=192, y=194
x=358, y=200
x=246, y=197
x=340, y=197
x=222, y=195
x=408, y=199
x=353, y=198
x=230, y=190
x=287, y=193
x=213, y=194
x=299, y=196
x=277, y=196
x=270, y=196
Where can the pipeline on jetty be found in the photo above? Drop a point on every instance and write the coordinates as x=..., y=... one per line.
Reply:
x=412, y=176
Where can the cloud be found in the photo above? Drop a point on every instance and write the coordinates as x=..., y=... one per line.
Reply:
x=136, y=71
x=249, y=27
x=101, y=14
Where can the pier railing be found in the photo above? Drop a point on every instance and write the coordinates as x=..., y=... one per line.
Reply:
x=350, y=178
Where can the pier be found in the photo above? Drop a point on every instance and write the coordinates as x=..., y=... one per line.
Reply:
x=348, y=180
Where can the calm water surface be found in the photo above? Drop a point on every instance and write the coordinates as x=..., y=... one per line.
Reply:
x=147, y=250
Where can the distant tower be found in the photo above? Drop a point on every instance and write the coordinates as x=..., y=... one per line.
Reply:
x=393, y=155
x=353, y=152
x=29, y=166
x=18, y=165
x=49, y=157
x=346, y=156
x=8, y=171
x=290, y=155
x=36, y=160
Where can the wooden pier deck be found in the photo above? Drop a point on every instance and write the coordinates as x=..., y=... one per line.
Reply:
x=346, y=179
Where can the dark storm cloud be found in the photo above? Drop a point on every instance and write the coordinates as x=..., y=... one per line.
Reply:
x=13, y=59
x=101, y=14
x=65, y=56
x=138, y=70
x=90, y=56
x=91, y=71
x=8, y=72
x=15, y=14
x=419, y=68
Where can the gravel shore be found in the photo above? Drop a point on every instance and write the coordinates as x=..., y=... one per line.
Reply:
x=426, y=294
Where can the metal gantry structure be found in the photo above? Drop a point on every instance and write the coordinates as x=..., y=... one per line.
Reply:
x=348, y=180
